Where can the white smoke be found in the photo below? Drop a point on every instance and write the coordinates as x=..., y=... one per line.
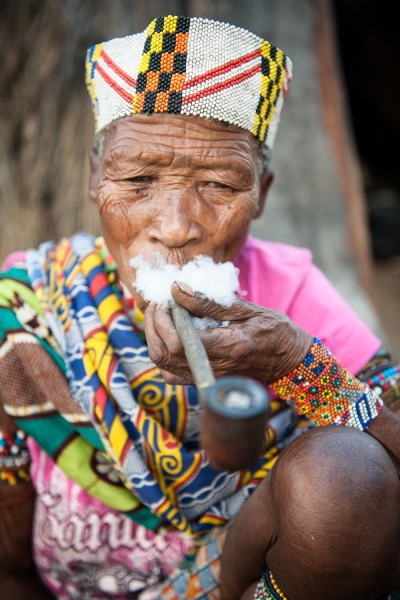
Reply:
x=154, y=277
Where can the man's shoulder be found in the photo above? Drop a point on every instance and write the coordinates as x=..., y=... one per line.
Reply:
x=272, y=272
x=277, y=252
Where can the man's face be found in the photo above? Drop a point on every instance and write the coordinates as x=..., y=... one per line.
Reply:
x=179, y=186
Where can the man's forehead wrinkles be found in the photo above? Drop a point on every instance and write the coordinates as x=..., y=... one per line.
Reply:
x=137, y=155
x=207, y=161
x=185, y=123
x=130, y=145
x=180, y=129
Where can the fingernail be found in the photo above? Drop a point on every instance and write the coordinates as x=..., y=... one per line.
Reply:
x=185, y=288
x=159, y=306
x=152, y=303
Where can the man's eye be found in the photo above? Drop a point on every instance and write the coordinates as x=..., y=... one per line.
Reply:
x=140, y=179
x=218, y=185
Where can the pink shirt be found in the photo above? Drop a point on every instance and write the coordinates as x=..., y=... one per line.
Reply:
x=284, y=278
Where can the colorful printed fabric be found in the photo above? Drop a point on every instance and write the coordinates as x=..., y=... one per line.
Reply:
x=86, y=550
x=199, y=580
x=35, y=392
x=190, y=66
x=120, y=405
x=327, y=393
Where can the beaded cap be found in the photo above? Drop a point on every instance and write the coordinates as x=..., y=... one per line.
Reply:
x=190, y=66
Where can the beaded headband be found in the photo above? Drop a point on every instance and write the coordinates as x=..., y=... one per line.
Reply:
x=190, y=66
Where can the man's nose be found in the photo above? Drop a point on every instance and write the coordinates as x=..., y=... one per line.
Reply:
x=176, y=223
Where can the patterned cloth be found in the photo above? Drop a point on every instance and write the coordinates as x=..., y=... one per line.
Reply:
x=201, y=579
x=85, y=550
x=190, y=66
x=120, y=404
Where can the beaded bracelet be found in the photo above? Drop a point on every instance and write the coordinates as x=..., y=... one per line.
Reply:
x=14, y=457
x=321, y=388
x=268, y=589
x=386, y=384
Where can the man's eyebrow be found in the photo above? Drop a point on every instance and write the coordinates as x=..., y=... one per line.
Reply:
x=215, y=164
x=143, y=158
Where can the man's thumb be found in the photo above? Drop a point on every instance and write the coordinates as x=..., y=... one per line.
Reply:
x=199, y=306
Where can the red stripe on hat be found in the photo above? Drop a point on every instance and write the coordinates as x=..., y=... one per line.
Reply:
x=117, y=69
x=123, y=93
x=218, y=87
x=222, y=69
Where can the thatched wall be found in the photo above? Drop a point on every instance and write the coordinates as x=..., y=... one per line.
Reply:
x=46, y=126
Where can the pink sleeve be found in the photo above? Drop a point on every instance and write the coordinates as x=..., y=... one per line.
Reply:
x=12, y=259
x=321, y=311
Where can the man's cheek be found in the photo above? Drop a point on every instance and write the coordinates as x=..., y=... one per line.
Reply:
x=237, y=218
x=119, y=217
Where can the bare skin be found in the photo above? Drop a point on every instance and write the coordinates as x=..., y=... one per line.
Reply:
x=326, y=521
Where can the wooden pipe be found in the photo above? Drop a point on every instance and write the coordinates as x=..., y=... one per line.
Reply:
x=235, y=409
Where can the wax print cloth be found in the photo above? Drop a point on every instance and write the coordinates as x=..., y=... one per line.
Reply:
x=76, y=376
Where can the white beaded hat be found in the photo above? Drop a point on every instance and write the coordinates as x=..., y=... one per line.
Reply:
x=190, y=66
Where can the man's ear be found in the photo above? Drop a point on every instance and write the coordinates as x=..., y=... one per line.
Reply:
x=266, y=180
x=95, y=173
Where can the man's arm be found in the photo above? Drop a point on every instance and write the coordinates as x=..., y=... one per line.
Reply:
x=17, y=573
x=386, y=429
x=17, y=570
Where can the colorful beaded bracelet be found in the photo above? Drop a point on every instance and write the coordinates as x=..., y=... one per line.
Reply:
x=14, y=457
x=327, y=393
x=386, y=384
x=268, y=589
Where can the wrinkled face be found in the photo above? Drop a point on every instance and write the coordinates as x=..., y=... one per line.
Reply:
x=180, y=186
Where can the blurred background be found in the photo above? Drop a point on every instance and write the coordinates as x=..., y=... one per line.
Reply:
x=337, y=188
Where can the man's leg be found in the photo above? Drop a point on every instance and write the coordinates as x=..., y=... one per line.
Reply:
x=326, y=521
x=338, y=518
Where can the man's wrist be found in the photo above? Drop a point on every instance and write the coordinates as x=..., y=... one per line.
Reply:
x=294, y=344
x=323, y=390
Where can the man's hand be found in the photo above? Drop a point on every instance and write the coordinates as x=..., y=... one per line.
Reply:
x=258, y=342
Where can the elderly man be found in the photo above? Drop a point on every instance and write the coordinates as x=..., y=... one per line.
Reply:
x=186, y=115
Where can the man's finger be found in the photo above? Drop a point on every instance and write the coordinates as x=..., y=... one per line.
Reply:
x=155, y=344
x=166, y=330
x=173, y=379
x=202, y=307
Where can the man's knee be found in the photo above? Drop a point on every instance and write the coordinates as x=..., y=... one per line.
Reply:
x=338, y=499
